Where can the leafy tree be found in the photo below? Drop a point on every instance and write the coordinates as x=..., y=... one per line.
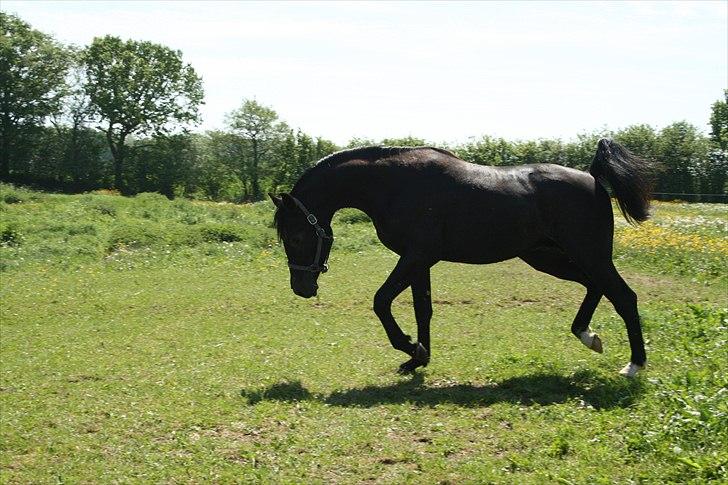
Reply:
x=259, y=127
x=294, y=154
x=360, y=142
x=285, y=166
x=210, y=176
x=488, y=151
x=324, y=147
x=640, y=139
x=679, y=147
x=719, y=122
x=407, y=141
x=32, y=72
x=138, y=88
x=305, y=154
x=579, y=153
x=714, y=168
x=229, y=150
x=163, y=163
x=82, y=159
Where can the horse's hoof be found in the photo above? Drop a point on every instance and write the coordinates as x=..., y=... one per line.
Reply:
x=631, y=369
x=592, y=341
x=408, y=367
x=422, y=356
x=596, y=345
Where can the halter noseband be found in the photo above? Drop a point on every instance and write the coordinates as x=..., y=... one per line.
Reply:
x=321, y=235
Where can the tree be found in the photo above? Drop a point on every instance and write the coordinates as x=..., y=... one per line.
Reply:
x=488, y=151
x=719, y=122
x=639, y=139
x=360, y=142
x=258, y=125
x=82, y=160
x=32, y=71
x=138, y=88
x=228, y=150
x=212, y=175
x=713, y=171
x=285, y=163
x=407, y=141
x=679, y=149
x=324, y=147
x=305, y=154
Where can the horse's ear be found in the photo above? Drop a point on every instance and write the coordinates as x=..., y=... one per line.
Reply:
x=276, y=200
x=288, y=202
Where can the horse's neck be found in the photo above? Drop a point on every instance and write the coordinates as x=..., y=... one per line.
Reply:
x=335, y=188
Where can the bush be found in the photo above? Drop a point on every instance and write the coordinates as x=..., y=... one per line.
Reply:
x=15, y=195
x=218, y=232
x=353, y=216
x=9, y=235
x=133, y=235
x=153, y=197
x=105, y=208
x=12, y=198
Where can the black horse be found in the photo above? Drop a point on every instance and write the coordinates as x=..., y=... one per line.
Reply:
x=427, y=205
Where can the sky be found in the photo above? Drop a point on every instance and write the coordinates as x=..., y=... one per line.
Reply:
x=442, y=71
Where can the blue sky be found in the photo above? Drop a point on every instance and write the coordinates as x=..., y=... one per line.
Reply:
x=442, y=71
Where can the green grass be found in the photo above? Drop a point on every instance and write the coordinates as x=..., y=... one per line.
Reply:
x=144, y=340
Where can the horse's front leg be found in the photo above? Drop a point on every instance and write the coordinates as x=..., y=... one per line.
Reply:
x=422, y=300
x=400, y=278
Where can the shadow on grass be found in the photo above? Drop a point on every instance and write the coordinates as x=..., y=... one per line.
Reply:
x=540, y=388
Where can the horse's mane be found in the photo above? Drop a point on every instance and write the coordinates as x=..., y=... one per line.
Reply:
x=369, y=153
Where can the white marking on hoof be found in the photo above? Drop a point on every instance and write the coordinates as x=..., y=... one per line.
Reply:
x=591, y=340
x=630, y=370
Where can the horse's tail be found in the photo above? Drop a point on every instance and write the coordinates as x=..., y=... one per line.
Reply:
x=630, y=177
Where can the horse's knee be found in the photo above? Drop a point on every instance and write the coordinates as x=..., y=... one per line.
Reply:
x=382, y=305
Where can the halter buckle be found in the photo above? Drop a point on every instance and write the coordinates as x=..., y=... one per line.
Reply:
x=312, y=219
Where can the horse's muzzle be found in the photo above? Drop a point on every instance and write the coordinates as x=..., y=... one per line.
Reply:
x=305, y=292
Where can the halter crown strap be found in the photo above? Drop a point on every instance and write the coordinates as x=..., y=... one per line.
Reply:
x=320, y=234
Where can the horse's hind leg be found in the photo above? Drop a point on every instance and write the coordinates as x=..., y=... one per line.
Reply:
x=594, y=257
x=552, y=260
x=625, y=302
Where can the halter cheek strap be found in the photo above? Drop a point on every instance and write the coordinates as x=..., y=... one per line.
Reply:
x=314, y=267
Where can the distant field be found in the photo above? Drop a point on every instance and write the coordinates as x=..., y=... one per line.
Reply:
x=146, y=340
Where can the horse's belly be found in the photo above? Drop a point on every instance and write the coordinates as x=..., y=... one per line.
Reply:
x=480, y=254
x=491, y=243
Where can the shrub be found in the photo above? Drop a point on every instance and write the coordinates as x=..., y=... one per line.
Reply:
x=12, y=198
x=105, y=208
x=9, y=235
x=153, y=197
x=219, y=232
x=133, y=235
x=353, y=216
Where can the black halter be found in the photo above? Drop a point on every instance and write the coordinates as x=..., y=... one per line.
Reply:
x=321, y=235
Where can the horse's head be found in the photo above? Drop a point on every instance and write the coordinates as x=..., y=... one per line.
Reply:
x=307, y=242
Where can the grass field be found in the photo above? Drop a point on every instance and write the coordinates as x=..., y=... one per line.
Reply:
x=146, y=340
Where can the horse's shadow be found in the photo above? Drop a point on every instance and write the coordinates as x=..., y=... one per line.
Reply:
x=540, y=388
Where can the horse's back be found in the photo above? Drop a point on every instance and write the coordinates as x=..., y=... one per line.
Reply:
x=482, y=214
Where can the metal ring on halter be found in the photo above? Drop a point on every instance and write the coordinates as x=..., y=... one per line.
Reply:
x=314, y=267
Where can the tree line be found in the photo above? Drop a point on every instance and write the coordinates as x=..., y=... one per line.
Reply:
x=117, y=114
